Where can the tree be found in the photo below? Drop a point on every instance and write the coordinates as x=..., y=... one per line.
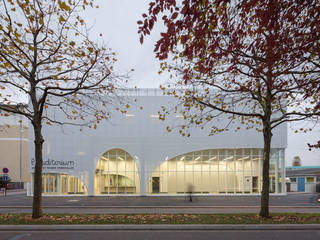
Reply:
x=252, y=60
x=46, y=55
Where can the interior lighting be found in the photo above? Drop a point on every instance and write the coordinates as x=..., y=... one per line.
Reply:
x=212, y=158
x=239, y=159
x=130, y=115
x=227, y=158
x=197, y=158
x=181, y=159
x=154, y=115
x=120, y=158
x=179, y=116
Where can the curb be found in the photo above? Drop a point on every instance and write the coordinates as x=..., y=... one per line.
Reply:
x=161, y=207
x=184, y=227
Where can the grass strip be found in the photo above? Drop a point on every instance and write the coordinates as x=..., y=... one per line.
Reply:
x=243, y=218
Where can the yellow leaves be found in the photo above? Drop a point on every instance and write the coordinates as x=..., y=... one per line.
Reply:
x=95, y=126
x=72, y=43
x=76, y=101
x=59, y=69
x=61, y=19
x=31, y=19
x=64, y=6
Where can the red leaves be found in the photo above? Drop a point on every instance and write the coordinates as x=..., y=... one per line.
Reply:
x=174, y=16
x=268, y=34
x=184, y=39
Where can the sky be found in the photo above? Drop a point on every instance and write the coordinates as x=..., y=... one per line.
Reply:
x=117, y=21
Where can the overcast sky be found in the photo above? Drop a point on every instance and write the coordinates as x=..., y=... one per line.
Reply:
x=117, y=21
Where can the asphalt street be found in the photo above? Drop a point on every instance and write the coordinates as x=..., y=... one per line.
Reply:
x=18, y=202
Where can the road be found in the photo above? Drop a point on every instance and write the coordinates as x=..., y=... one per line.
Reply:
x=163, y=234
x=20, y=203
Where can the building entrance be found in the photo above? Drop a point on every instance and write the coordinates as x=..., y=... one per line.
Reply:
x=155, y=184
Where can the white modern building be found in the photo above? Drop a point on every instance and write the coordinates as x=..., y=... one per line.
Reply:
x=134, y=154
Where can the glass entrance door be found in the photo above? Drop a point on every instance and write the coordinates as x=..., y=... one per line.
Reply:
x=155, y=184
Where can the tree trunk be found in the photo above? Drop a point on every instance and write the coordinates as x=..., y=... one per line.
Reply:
x=267, y=135
x=37, y=186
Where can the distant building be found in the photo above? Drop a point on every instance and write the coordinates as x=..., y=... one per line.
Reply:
x=133, y=154
x=14, y=149
x=302, y=178
x=296, y=161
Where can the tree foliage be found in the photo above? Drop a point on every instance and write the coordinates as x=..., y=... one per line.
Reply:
x=47, y=56
x=253, y=60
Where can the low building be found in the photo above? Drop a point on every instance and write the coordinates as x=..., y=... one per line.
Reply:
x=302, y=178
x=14, y=149
x=134, y=154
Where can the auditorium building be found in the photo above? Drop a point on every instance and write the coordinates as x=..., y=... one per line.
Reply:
x=134, y=154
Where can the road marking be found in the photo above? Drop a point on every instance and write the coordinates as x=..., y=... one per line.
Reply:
x=73, y=200
x=20, y=236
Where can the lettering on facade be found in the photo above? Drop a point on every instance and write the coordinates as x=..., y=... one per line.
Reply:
x=55, y=164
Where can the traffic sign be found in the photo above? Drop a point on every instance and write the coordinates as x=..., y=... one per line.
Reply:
x=5, y=178
x=5, y=170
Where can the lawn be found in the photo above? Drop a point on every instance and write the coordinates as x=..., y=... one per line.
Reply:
x=276, y=218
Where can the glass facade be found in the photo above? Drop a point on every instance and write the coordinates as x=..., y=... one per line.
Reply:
x=217, y=171
x=212, y=171
x=116, y=173
x=62, y=184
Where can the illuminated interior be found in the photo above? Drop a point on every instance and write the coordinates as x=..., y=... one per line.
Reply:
x=116, y=173
x=217, y=171
x=62, y=184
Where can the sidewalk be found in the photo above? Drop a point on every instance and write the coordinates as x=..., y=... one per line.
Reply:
x=184, y=227
x=13, y=192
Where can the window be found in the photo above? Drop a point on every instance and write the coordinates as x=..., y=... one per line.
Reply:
x=116, y=173
x=310, y=179
x=293, y=179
